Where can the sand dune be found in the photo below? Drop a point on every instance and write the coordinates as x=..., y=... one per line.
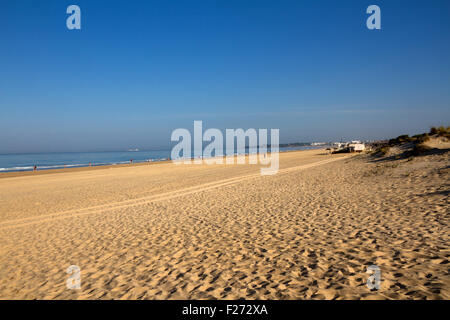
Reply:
x=218, y=231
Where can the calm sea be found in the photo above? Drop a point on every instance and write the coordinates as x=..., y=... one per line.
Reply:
x=44, y=161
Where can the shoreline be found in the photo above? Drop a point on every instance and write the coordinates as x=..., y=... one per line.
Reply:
x=12, y=174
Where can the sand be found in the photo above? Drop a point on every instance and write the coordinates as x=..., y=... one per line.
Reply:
x=163, y=231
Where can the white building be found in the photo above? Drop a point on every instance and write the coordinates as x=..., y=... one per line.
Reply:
x=356, y=147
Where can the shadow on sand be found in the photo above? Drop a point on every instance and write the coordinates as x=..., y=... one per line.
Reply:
x=406, y=154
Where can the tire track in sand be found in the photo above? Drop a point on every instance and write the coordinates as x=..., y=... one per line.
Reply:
x=148, y=199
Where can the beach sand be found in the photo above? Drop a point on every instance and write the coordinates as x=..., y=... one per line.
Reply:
x=166, y=231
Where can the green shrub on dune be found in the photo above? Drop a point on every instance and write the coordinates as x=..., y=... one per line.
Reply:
x=421, y=138
x=418, y=146
x=440, y=131
x=400, y=139
x=383, y=150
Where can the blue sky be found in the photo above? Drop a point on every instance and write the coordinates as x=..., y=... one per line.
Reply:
x=139, y=69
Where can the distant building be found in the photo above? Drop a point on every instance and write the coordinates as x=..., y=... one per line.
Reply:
x=356, y=147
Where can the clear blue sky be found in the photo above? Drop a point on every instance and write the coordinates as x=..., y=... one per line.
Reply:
x=139, y=69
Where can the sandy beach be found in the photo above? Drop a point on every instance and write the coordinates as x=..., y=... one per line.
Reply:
x=166, y=231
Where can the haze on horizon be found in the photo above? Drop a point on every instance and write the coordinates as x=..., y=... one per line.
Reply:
x=137, y=71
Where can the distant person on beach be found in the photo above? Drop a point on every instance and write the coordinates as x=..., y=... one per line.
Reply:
x=35, y=168
x=131, y=161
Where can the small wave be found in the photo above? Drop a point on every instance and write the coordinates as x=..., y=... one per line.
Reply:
x=59, y=166
x=16, y=169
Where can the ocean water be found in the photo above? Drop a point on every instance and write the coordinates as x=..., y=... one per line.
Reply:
x=45, y=161
x=26, y=162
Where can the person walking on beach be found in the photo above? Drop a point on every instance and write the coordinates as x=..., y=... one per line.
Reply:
x=35, y=168
x=131, y=161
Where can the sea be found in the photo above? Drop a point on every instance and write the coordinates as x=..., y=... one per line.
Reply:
x=59, y=160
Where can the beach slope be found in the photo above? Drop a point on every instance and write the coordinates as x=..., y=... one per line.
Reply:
x=167, y=231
